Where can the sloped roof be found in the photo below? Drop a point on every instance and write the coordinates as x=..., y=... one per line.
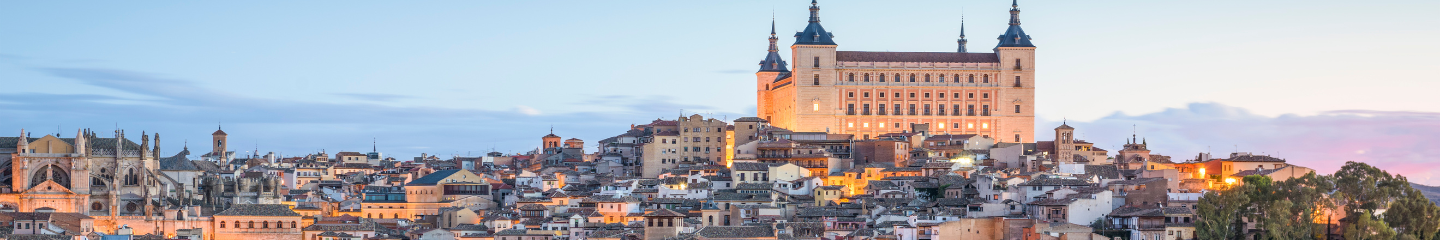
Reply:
x=259, y=210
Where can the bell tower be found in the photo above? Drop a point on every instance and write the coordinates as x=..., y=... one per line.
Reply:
x=217, y=143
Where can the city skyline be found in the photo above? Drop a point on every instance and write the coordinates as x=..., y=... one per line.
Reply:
x=260, y=77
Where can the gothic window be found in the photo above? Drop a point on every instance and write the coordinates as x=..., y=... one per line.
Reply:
x=130, y=178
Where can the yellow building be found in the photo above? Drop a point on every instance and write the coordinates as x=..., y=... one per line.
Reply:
x=873, y=93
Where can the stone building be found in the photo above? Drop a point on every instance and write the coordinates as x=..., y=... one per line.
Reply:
x=872, y=93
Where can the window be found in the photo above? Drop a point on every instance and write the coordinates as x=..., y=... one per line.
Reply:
x=927, y=77
x=987, y=79
x=970, y=110
x=942, y=78
x=957, y=78
x=970, y=95
x=972, y=78
x=927, y=109
x=912, y=77
x=252, y=224
x=1017, y=108
x=851, y=94
x=867, y=77
x=882, y=77
x=817, y=79
x=897, y=125
x=850, y=110
x=985, y=95
x=1017, y=81
x=1017, y=64
x=941, y=95
x=912, y=95
x=940, y=110
x=881, y=110
x=957, y=110
x=222, y=224
x=865, y=109
x=1017, y=138
x=817, y=61
x=957, y=125
x=897, y=109
x=985, y=110
x=881, y=94
x=912, y=109
x=866, y=94
x=927, y=95
x=897, y=94
x=851, y=77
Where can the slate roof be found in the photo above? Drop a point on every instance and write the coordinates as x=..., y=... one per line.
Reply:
x=433, y=178
x=280, y=210
x=933, y=57
x=814, y=34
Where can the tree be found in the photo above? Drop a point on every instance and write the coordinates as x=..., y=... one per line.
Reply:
x=1414, y=215
x=1307, y=195
x=1365, y=226
x=1218, y=211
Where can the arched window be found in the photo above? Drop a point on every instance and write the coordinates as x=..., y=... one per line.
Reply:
x=130, y=178
x=912, y=77
x=264, y=224
x=927, y=77
x=987, y=79
x=293, y=225
x=972, y=78
x=957, y=78
x=251, y=225
x=867, y=77
x=882, y=77
x=397, y=215
x=222, y=224
x=852, y=77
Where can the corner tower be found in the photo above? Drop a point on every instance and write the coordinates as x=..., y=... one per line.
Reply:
x=814, y=78
x=1017, y=80
x=772, y=70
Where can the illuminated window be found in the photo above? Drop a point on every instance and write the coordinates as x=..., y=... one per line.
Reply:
x=815, y=107
x=941, y=125
x=985, y=125
x=851, y=125
x=865, y=125
x=882, y=125
x=969, y=125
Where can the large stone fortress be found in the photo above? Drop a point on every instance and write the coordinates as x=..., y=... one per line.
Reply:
x=873, y=93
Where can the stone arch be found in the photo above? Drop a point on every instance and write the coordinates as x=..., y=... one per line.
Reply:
x=50, y=172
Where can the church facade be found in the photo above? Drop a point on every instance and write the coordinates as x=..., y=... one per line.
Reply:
x=872, y=93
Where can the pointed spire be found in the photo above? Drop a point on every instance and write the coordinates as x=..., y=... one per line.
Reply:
x=375, y=145
x=962, y=40
x=772, y=61
x=814, y=34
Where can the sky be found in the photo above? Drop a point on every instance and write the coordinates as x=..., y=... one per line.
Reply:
x=1316, y=82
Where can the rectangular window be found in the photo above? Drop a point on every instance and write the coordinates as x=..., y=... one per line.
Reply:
x=927, y=95
x=940, y=110
x=985, y=95
x=880, y=111
x=971, y=95
x=850, y=110
x=912, y=95
x=985, y=110
x=1017, y=81
x=865, y=109
x=927, y=109
x=850, y=94
x=866, y=94
x=817, y=79
x=970, y=110
x=957, y=95
x=817, y=62
x=957, y=110
x=1017, y=108
x=912, y=109
x=897, y=109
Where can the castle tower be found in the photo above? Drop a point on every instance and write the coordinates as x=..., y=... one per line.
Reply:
x=772, y=70
x=1064, y=144
x=218, y=144
x=1017, y=78
x=962, y=39
x=550, y=141
x=814, y=78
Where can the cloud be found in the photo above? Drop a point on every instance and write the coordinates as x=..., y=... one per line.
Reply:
x=522, y=109
x=1399, y=142
x=184, y=110
x=378, y=97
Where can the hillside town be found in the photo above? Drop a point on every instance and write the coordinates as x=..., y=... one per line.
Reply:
x=684, y=178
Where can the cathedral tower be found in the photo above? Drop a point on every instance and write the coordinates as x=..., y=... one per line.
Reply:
x=218, y=142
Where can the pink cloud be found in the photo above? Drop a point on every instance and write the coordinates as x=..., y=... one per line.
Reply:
x=1406, y=143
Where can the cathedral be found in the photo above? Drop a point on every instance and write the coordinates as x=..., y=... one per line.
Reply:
x=872, y=93
x=119, y=182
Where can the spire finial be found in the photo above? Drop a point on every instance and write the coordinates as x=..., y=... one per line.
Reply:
x=374, y=145
x=814, y=11
x=1014, y=13
x=962, y=39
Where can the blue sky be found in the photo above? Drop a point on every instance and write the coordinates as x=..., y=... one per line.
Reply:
x=464, y=77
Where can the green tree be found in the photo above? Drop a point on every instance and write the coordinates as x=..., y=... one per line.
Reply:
x=1365, y=226
x=1308, y=197
x=1414, y=215
x=1219, y=211
x=1366, y=187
